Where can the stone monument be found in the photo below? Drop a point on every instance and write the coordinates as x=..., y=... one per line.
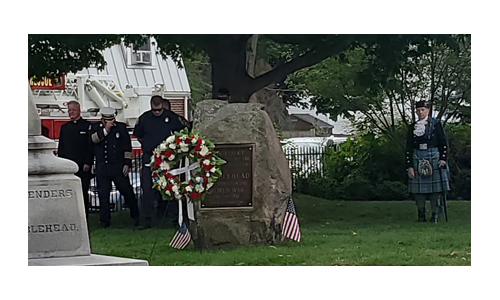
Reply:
x=57, y=227
x=248, y=203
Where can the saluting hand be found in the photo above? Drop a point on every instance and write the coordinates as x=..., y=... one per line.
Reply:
x=108, y=125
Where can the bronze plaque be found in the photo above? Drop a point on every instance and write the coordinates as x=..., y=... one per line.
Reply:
x=235, y=187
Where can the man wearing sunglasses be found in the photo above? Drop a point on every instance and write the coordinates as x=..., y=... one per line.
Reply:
x=113, y=152
x=152, y=128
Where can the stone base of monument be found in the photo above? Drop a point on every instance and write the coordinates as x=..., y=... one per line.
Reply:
x=87, y=260
x=57, y=227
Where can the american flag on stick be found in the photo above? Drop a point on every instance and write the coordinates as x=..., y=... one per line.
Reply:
x=291, y=228
x=181, y=238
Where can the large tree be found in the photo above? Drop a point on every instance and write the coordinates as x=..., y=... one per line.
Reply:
x=57, y=54
x=439, y=73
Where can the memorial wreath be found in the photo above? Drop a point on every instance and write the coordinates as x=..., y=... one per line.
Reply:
x=203, y=159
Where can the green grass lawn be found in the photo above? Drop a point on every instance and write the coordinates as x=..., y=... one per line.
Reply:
x=348, y=233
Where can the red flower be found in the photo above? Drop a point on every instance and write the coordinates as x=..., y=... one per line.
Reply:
x=188, y=141
x=169, y=187
x=169, y=176
x=178, y=140
x=167, y=153
x=195, y=195
x=158, y=161
x=207, y=167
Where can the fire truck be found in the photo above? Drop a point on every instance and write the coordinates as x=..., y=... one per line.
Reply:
x=127, y=83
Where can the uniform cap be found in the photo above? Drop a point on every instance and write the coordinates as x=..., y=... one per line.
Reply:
x=422, y=104
x=108, y=112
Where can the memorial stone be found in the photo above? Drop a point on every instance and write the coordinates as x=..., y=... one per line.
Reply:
x=247, y=205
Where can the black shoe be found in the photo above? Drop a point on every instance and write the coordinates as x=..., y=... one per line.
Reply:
x=421, y=216
x=105, y=224
x=144, y=226
x=434, y=218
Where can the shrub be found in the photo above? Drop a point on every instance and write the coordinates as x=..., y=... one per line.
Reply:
x=370, y=168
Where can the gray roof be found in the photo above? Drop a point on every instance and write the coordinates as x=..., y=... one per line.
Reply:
x=162, y=71
x=312, y=120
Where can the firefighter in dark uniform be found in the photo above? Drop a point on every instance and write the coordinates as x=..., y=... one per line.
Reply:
x=113, y=152
x=184, y=121
x=153, y=127
x=74, y=144
x=426, y=155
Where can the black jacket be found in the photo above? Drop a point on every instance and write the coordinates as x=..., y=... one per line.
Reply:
x=434, y=137
x=74, y=143
x=113, y=150
x=151, y=130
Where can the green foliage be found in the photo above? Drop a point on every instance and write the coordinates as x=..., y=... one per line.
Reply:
x=198, y=70
x=459, y=161
x=333, y=233
x=373, y=168
x=365, y=85
x=56, y=54
x=59, y=54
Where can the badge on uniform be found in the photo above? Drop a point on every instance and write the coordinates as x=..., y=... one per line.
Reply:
x=117, y=135
x=166, y=120
x=422, y=146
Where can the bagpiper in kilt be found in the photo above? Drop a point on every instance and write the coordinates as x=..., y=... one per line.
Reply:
x=426, y=154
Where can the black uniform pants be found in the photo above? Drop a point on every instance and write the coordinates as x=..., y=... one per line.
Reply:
x=122, y=184
x=85, y=178
x=152, y=197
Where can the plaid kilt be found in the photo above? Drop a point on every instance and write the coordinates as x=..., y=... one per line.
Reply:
x=430, y=184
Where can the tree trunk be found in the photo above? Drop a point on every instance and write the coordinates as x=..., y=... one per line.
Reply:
x=229, y=70
x=229, y=67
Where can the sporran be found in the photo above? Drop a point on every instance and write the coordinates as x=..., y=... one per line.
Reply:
x=425, y=167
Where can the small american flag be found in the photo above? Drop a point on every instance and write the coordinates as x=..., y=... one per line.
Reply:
x=181, y=238
x=291, y=228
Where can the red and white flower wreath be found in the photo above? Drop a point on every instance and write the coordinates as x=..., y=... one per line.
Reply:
x=174, y=150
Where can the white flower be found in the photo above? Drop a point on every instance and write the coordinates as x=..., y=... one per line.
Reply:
x=184, y=147
x=178, y=196
x=189, y=188
x=204, y=150
x=194, y=140
x=171, y=157
x=165, y=166
x=175, y=189
x=209, y=185
x=163, y=147
x=168, y=193
x=172, y=145
x=198, y=179
x=206, y=162
x=162, y=182
x=170, y=139
x=199, y=188
x=212, y=170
